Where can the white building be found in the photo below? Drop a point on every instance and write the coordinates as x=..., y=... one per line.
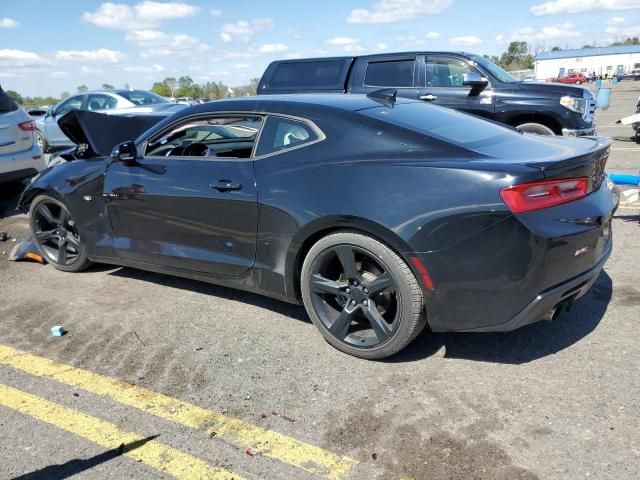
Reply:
x=601, y=61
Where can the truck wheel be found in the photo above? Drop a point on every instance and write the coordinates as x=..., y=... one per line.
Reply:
x=578, y=82
x=536, y=129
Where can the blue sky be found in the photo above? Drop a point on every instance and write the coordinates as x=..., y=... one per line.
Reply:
x=47, y=47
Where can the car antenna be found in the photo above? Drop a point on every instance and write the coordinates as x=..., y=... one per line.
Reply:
x=386, y=96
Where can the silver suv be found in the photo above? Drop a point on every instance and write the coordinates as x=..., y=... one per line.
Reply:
x=117, y=102
x=20, y=155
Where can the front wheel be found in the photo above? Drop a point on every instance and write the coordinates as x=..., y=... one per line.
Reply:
x=56, y=235
x=361, y=295
x=41, y=141
x=536, y=129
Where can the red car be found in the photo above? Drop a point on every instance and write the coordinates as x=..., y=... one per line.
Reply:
x=576, y=78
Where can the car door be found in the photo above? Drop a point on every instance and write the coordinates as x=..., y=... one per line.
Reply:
x=52, y=131
x=444, y=86
x=399, y=72
x=190, y=201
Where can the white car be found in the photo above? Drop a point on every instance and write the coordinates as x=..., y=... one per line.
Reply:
x=20, y=155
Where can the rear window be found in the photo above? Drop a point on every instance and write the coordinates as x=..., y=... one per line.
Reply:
x=316, y=74
x=442, y=123
x=6, y=103
x=394, y=73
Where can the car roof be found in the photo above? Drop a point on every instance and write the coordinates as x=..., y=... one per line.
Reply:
x=292, y=103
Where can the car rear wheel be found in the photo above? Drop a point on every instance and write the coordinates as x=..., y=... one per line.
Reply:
x=536, y=129
x=361, y=295
x=41, y=141
x=55, y=234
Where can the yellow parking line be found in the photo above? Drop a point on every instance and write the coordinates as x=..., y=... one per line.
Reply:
x=256, y=439
x=152, y=453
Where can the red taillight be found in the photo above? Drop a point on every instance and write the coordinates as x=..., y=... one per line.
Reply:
x=29, y=126
x=534, y=196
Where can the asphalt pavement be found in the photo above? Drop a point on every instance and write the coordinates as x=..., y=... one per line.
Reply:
x=161, y=377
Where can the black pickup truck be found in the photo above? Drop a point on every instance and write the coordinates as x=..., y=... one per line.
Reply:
x=458, y=80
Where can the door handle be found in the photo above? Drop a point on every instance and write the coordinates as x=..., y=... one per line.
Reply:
x=429, y=98
x=226, y=186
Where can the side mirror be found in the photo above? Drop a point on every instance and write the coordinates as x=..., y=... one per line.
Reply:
x=50, y=112
x=474, y=80
x=125, y=152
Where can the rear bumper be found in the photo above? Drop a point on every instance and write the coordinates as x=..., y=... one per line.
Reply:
x=582, y=132
x=544, y=305
x=14, y=166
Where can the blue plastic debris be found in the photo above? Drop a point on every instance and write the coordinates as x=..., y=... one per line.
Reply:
x=57, y=331
x=624, y=179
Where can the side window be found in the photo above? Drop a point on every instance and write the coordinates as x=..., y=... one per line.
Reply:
x=101, y=102
x=212, y=137
x=393, y=73
x=73, y=103
x=281, y=133
x=447, y=72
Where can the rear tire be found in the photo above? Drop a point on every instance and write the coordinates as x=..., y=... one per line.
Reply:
x=41, y=141
x=361, y=295
x=536, y=129
x=56, y=236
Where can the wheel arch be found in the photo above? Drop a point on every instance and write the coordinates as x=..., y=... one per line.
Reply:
x=541, y=118
x=311, y=233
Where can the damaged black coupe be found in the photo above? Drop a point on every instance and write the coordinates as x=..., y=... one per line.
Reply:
x=380, y=215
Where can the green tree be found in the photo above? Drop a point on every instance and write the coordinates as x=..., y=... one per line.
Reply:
x=15, y=96
x=556, y=49
x=187, y=87
x=161, y=89
x=83, y=88
x=171, y=84
x=627, y=41
x=107, y=86
x=64, y=94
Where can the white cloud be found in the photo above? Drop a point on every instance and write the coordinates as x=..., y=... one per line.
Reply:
x=59, y=74
x=100, y=55
x=241, y=66
x=624, y=30
x=556, y=7
x=243, y=30
x=387, y=11
x=155, y=44
x=273, y=48
x=90, y=71
x=466, y=41
x=215, y=13
x=158, y=68
x=144, y=69
x=144, y=15
x=8, y=23
x=382, y=46
x=10, y=58
x=432, y=35
x=550, y=32
x=341, y=41
x=615, y=21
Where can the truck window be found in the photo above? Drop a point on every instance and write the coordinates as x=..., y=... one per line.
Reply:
x=282, y=133
x=316, y=74
x=393, y=73
x=446, y=72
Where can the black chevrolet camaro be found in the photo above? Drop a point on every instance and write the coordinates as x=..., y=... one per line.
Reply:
x=379, y=215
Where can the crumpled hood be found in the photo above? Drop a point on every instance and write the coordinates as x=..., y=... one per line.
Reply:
x=101, y=132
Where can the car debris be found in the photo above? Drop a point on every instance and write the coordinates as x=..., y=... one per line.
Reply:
x=26, y=250
x=58, y=331
x=4, y=236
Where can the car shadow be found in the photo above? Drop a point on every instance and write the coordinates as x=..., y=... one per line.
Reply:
x=519, y=346
x=523, y=345
x=9, y=195
x=283, y=308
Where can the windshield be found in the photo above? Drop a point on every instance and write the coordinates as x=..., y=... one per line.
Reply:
x=140, y=97
x=502, y=75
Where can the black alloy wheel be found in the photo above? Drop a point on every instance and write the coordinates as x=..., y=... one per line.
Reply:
x=361, y=294
x=55, y=233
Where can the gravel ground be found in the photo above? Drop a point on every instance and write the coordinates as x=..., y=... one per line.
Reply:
x=554, y=400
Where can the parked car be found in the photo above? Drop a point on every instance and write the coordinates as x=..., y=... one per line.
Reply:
x=49, y=134
x=632, y=75
x=186, y=101
x=572, y=78
x=380, y=214
x=20, y=155
x=462, y=81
